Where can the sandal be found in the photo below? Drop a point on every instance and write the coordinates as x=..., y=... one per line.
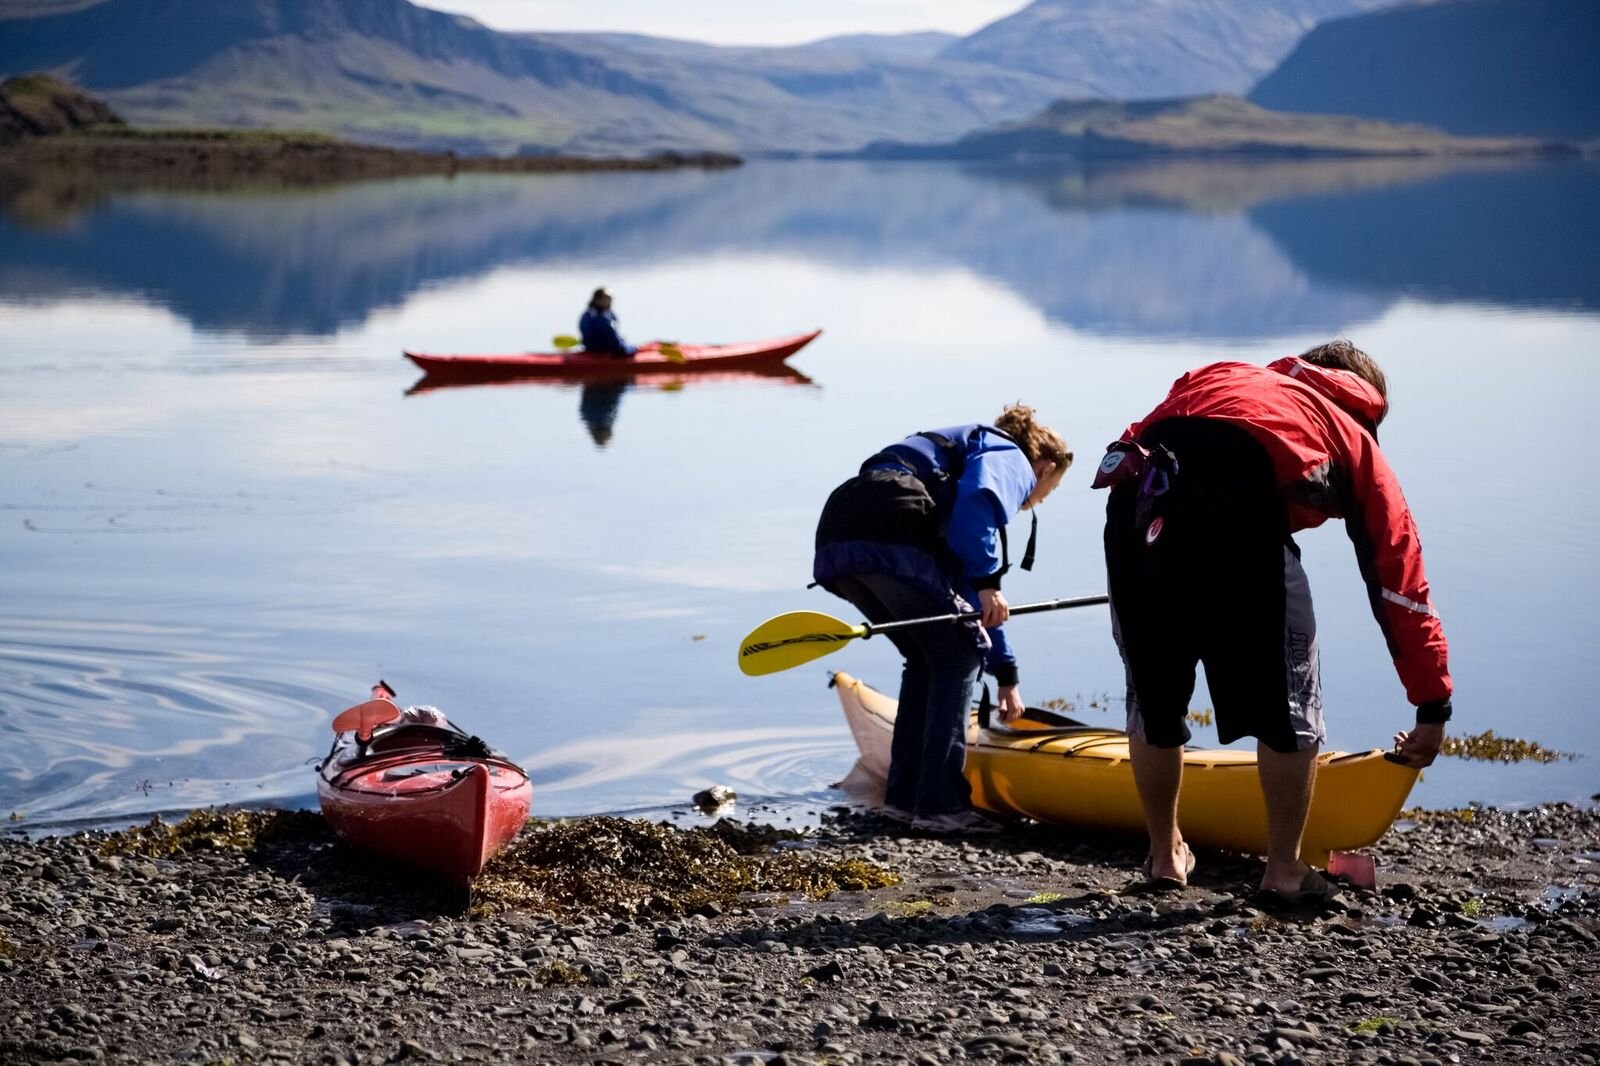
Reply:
x=1152, y=883
x=1315, y=892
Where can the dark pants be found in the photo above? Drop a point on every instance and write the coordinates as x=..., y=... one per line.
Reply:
x=1207, y=573
x=942, y=664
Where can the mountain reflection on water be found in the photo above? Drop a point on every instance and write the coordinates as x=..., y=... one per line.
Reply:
x=1209, y=249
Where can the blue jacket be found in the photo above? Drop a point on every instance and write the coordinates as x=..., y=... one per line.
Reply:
x=598, y=329
x=995, y=482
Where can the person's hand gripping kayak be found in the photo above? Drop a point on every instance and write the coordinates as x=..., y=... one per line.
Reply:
x=995, y=611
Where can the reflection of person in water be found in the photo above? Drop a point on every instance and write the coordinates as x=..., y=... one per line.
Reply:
x=598, y=328
x=597, y=406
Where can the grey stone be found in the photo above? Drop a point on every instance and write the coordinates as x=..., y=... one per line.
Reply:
x=626, y=1003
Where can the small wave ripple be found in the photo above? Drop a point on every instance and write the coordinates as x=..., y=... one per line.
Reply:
x=627, y=772
x=106, y=721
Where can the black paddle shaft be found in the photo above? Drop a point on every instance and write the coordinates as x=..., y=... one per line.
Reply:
x=1026, y=608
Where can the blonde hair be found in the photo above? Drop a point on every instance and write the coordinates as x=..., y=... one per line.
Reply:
x=1037, y=441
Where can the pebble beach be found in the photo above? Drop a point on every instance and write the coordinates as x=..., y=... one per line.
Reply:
x=1479, y=945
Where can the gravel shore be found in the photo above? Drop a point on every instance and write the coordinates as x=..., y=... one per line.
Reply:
x=1479, y=946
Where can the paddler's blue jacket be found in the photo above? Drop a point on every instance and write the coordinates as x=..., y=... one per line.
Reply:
x=598, y=330
x=996, y=479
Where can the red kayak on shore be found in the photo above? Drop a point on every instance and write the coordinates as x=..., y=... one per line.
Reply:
x=410, y=786
x=692, y=358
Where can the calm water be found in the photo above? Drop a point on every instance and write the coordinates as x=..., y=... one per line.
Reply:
x=222, y=518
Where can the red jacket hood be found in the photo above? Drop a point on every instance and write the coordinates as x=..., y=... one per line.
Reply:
x=1354, y=393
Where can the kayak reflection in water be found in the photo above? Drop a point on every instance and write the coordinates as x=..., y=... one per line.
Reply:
x=920, y=531
x=598, y=328
x=597, y=406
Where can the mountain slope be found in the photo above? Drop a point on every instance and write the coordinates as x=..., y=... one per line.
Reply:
x=390, y=72
x=923, y=45
x=1523, y=67
x=1198, y=126
x=41, y=106
x=1129, y=49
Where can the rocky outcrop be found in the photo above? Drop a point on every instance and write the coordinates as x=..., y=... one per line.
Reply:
x=1495, y=68
x=38, y=105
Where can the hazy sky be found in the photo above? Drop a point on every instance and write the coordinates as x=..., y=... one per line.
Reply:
x=735, y=21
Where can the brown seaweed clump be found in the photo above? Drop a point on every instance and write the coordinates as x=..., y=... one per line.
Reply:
x=215, y=829
x=8, y=950
x=561, y=974
x=1486, y=747
x=622, y=866
x=1452, y=815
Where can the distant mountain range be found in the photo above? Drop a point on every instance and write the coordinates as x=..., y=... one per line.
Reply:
x=1126, y=51
x=390, y=72
x=1488, y=67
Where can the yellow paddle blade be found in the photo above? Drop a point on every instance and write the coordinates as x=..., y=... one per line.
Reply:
x=791, y=639
x=671, y=352
x=565, y=341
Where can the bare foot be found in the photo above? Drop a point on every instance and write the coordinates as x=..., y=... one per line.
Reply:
x=1284, y=877
x=1170, y=868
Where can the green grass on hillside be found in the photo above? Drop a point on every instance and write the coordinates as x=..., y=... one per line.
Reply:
x=354, y=117
x=32, y=86
x=207, y=133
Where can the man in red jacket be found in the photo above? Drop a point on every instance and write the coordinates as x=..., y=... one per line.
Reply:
x=1208, y=489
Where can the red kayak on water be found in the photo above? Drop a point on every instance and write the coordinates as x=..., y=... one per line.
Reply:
x=411, y=786
x=687, y=358
x=669, y=378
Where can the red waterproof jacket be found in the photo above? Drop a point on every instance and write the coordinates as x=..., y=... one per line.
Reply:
x=1310, y=420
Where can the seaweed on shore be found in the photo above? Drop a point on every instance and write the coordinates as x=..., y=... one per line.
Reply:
x=600, y=865
x=1447, y=816
x=1486, y=747
x=561, y=974
x=626, y=867
x=215, y=829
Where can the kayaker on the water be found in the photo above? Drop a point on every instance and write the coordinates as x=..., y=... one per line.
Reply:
x=598, y=328
x=921, y=531
x=1207, y=489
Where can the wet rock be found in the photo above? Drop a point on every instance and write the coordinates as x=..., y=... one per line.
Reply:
x=710, y=799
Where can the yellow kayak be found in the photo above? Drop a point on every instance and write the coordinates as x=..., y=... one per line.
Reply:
x=1056, y=770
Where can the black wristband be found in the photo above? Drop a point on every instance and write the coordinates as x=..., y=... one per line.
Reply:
x=1004, y=673
x=1435, y=712
x=988, y=581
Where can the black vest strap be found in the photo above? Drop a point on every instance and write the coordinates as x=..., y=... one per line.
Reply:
x=955, y=453
x=1027, y=553
x=955, y=463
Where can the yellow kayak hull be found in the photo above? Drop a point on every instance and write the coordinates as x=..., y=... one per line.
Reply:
x=1081, y=777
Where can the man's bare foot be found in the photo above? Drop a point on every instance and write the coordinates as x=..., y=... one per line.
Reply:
x=1171, y=869
x=1284, y=877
